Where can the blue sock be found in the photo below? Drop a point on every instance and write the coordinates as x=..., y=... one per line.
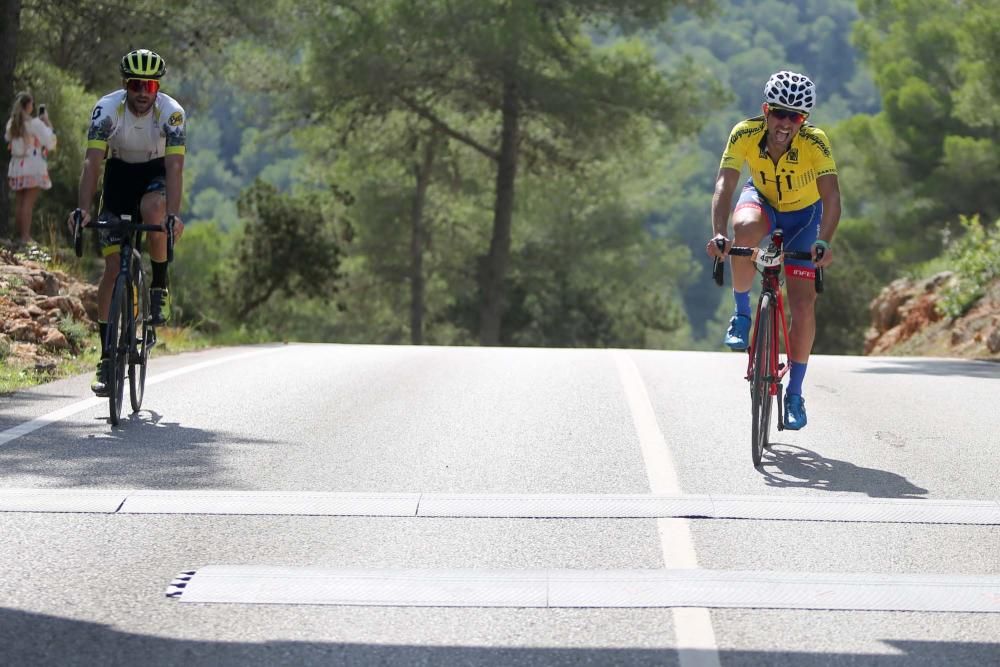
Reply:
x=796, y=374
x=742, y=302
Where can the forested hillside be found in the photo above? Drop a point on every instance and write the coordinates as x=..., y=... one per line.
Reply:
x=517, y=172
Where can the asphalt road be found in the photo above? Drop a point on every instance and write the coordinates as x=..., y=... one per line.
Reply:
x=88, y=587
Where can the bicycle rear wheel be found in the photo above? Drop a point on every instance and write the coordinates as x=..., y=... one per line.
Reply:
x=760, y=381
x=119, y=336
x=139, y=351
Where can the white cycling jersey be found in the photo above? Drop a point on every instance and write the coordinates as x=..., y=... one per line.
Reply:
x=130, y=138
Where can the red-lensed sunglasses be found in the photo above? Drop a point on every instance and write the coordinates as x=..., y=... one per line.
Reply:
x=782, y=114
x=148, y=86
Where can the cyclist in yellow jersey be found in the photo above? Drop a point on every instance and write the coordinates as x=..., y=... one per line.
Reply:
x=793, y=186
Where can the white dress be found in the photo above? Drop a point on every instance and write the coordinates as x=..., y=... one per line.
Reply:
x=28, y=156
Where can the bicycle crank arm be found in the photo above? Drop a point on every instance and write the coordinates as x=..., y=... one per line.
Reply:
x=781, y=413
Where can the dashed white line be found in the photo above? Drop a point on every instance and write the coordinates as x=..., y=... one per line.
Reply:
x=695, y=637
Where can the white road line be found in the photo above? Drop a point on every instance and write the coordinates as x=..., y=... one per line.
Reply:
x=567, y=588
x=508, y=506
x=695, y=637
x=46, y=419
x=86, y=404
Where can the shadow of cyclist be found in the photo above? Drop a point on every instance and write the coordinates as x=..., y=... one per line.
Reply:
x=789, y=466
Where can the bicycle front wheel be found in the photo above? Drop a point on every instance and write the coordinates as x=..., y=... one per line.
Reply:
x=119, y=338
x=760, y=380
x=141, y=338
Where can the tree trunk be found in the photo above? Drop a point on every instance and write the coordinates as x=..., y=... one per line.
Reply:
x=494, y=269
x=10, y=26
x=422, y=172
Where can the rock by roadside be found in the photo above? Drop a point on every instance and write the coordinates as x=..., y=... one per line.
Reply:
x=905, y=321
x=43, y=313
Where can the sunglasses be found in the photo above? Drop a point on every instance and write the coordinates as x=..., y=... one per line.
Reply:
x=148, y=86
x=782, y=114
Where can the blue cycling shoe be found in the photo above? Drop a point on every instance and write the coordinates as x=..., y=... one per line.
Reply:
x=795, y=412
x=738, y=334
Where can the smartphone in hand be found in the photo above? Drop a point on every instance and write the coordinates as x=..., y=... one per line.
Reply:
x=41, y=109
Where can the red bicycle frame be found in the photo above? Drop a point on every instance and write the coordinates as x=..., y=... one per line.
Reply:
x=772, y=285
x=768, y=263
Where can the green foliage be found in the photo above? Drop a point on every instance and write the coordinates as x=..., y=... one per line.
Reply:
x=287, y=247
x=842, y=315
x=77, y=333
x=932, y=155
x=973, y=257
x=197, y=274
x=585, y=272
x=610, y=213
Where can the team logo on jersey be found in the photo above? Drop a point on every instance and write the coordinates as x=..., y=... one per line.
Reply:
x=793, y=155
x=817, y=141
x=176, y=118
x=100, y=131
x=747, y=130
x=174, y=137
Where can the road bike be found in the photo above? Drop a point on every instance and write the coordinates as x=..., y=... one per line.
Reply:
x=131, y=333
x=765, y=370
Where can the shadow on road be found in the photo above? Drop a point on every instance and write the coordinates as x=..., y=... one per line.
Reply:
x=145, y=451
x=789, y=466
x=39, y=640
x=909, y=366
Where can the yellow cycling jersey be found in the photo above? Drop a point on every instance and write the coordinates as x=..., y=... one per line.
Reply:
x=790, y=184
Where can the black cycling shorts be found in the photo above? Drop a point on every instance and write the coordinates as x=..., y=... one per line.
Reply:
x=125, y=183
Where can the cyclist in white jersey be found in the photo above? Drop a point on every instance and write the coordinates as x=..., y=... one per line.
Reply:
x=140, y=131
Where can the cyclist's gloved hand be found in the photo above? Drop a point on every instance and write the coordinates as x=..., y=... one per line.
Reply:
x=71, y=223
x=824, y=258
x=713, y=248
x=178, y=227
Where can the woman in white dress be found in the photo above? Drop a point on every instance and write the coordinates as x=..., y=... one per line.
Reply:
x=29, y=141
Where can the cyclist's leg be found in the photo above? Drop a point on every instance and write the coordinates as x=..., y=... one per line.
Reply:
x=802, y=333
x=120, y=196
x=154, y=211
x=801, y=229
x=153, y=208
x=752, y=221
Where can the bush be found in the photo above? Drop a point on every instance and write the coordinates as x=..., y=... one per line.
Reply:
x=77, y=333
x=973, y=257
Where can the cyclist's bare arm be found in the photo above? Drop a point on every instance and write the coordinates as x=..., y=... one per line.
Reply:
x=92, y=162
x=174, y=165
x=829, y=193
x=722, y=201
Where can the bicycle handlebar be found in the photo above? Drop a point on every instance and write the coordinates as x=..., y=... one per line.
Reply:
x=718, y=267
x=118, y=224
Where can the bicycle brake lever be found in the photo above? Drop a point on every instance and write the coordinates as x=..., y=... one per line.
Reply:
x=77, y=232
x=170, y=238
x=719, y=265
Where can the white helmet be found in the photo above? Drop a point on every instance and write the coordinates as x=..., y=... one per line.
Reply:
x=790, y=90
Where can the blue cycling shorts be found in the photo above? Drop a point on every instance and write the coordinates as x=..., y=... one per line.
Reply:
x=801, y=228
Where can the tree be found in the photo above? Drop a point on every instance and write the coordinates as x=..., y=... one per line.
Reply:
x=932, y=154
x=287, y=247
x=10, y=27
x=554, y=98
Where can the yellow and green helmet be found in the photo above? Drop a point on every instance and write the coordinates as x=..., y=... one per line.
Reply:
x=143, y=64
